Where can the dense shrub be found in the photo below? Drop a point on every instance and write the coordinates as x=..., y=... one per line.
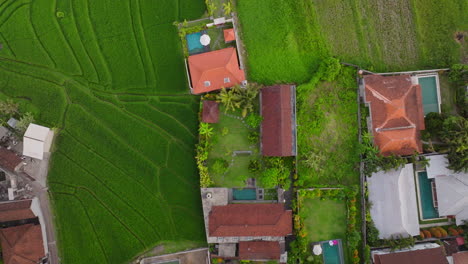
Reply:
x=219, y=166
x=254, y=120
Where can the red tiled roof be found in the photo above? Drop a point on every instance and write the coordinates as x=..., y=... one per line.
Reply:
x=278, y=136
x=8, y=159
x=229, y=35
x=426, y=256
x=22, y=244
x=220, y=68
x=210, y=113
x=397, y=113
x=259, y=250
x=16, y=210
x=460, y=257
x=250, y=220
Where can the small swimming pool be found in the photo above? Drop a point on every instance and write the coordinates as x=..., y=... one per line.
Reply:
x=430, y=93
x=193, y=43
x=244, y=194
x=332, y=254
x=425, y=196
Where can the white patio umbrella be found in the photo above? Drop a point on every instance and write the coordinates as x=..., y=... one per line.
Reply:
x=205, y=40
x=317, y=250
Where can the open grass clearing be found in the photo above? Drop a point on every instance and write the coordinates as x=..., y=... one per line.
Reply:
x=230, y=135
x=328, y=132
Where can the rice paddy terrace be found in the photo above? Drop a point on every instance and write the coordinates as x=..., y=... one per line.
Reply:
x=109, y=75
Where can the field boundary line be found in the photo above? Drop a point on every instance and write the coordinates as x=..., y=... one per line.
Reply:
x=150, y=125
x=173, y=118
x=90, y=222
x=118, y=168
x=4, y=20
x=111, y=191
x=38, y=39
x=96, y=41
x=141, y=41
x=7, y=44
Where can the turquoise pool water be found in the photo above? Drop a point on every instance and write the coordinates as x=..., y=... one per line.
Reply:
x=331, y=254
x=425, y=193
x=244, y=194
x=193, y=43
x=429, y=94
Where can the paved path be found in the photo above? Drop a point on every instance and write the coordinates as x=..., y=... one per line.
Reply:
x=39, y=173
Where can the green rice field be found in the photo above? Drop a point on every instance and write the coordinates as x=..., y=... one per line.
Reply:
x=109, y=76
x=286, y=40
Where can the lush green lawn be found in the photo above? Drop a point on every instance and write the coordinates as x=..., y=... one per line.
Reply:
x=110, y=77
x=324, y=219
x=223, y=147
x=328, y=132
x=286, y=40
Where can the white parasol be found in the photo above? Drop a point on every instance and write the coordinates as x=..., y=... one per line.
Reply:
x=317, y=250
x=205, y=40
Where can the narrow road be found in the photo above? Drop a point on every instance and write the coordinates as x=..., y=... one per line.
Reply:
x=43, y=196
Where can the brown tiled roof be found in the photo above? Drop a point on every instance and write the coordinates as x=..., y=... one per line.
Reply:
x=229, y=35
x=422, y=256
x=250, y=220
x=22, y=244
x=451, y=247
x=210, y=113
x=396, y=112
x=460, y=257
x=16, y=210
x=8, y=159
x=219, y=68
x=259, y=250
x=278, y=136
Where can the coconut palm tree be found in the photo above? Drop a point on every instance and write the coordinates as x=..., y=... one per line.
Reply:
x=205, y=130
x=229, y=98
x=227, y=8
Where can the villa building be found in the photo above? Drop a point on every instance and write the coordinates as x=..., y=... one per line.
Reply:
x=450, y=195
x=214, y=70
x=245, y=231
x=396, y=113
x=394, y=208
x=278, y=129
x=429, y=253
x=21, y=235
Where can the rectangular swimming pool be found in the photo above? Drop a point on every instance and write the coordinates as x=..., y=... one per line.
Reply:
x=425, y=196
x=244, y=194
x=332, y=254
x=193, y=43
x=430, y=93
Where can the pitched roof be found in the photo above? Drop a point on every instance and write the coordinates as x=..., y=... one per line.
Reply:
x=426, y=256
x=210, y=113
x=259, y=250
x=279, y=120
x=16, y=210
x=394, y=208
x=452, y=196
x=229, y=35
x=460, y=257
x=8, y=159
x=22, y=244
x=250, y=220
x=213, y=70
x=397, y=113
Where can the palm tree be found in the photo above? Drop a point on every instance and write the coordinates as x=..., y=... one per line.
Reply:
x=205, y=130
x=229, y=98
x=247, y=97
x=227, y=8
